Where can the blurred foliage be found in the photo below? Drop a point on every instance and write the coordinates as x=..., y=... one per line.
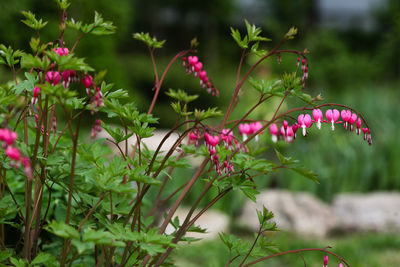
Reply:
x=351, y=66
x=358, y=250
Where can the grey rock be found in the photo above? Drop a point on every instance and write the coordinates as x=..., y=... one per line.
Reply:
x=378, y=211
x=301, y=213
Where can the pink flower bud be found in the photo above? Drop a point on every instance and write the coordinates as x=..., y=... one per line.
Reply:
x=325, y=261
x=87, y=81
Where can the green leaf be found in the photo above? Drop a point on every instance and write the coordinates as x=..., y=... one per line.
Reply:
x=273, y=87
x=291, y=33
x=205, y=114
x=44, y=258
x=149, y=41
x=18, y=263
x=63, y=4
x=101, y=237
x=152, y=249
x=63, y=230
x=236, y=36
x=285, y=160
x=181, y=95
x=306, y=173
x=32, y=22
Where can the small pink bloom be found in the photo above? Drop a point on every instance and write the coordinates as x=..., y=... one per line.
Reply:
x=87, y=81
x=305, y=122
x=227, y=137
x=255, y=127
x=332, y=116
x=8, y=136
x=340, y=265
x=318, y=117
x=352, y=120
x=325, y=261
x=346, y=115
x=358, y=125
x=244, y=130
x=198, y=66
x=273, y=129
x=203, y=75
x=61, y=51
x=13, y=153
x=53, y=77
x=36, y=92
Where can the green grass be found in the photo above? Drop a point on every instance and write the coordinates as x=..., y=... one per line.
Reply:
x=359, y=250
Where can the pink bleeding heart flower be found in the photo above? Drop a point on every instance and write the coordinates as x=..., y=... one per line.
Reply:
x=8, y=136
x=332, y=116
x=211, y=143
x=198, y=66
x=227, y=137
x=255, y=127
x=346, y=115
x=325, y=261
x=295, y=127
x=352, y=120
x=87, y=81
x=358, y=125
x=273, y=129
x=318, y=117
x=244, y=130
x=53, y=77
x=287, y=133
x=36, y=92
x=13, y=153
x=203, y=76
x=305, y=122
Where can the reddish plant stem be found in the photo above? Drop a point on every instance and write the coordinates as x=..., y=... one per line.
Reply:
x=158, y=85
x=151, y=51
x=177, y=238
x=237, y=89
x=252, y=246
x=296, y=251
x=183, y=194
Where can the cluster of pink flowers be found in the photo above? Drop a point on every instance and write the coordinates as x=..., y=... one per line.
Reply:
x=193, y=65
x=87, y=81
x=62, y=51
x=304, y=69
x=54, y=77
x=246, y=129
x=8, y=138
x=305, y=121
x=95, y=129
x=230, y=142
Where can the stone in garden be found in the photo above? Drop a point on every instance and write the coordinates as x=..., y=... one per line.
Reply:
x=301, y=213
x=368, y=212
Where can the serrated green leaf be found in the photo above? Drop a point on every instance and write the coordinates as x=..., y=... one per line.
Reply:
x=306, y=173
x=63, y=230
x=148, y=40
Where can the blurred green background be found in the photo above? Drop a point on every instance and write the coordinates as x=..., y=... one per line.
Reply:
x=354, y=60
